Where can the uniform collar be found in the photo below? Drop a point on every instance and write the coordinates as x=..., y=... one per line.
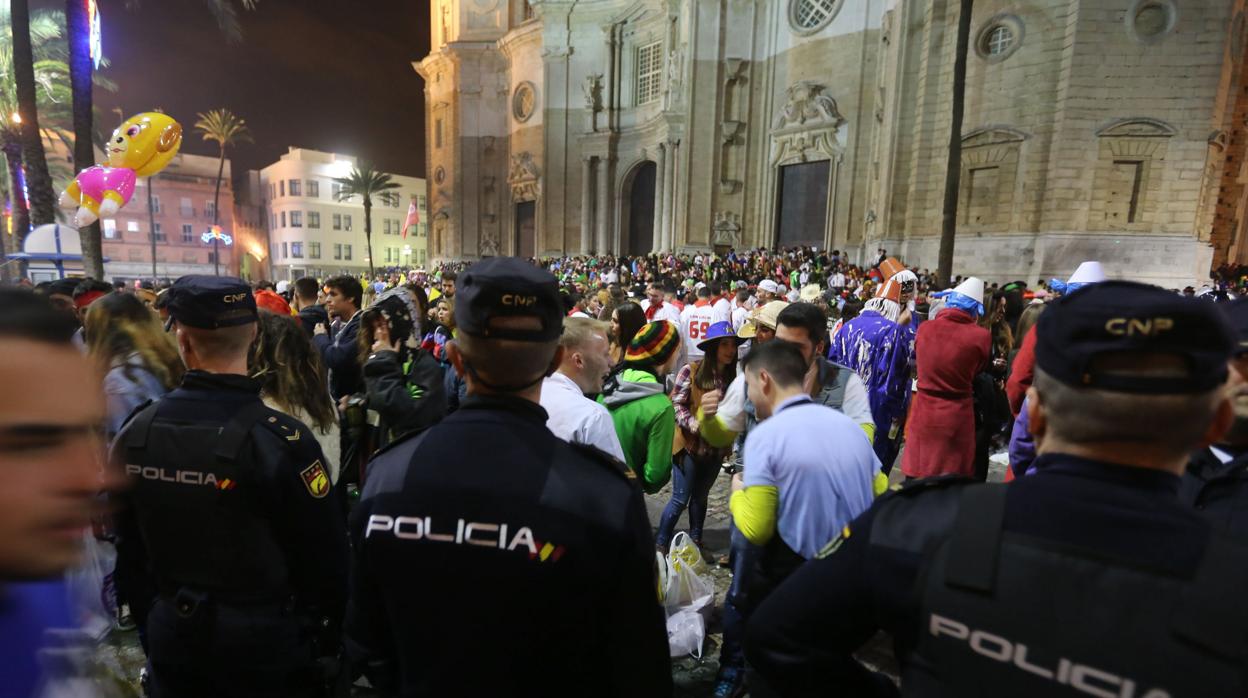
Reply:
x=203, y=380
x=526, y=409
x=1141, y=478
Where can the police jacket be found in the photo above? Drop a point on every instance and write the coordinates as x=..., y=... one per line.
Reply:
x=409, y=394
x=1083, y=579
x=229, y=498
x=1219, y=491
x=492, y=558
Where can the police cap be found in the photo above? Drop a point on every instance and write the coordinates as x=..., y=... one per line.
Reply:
x=211, y=302
x=508, y=287
x=1123, y=317
x=1237, y=314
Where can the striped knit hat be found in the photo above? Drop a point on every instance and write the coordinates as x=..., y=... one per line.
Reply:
x=653, y=344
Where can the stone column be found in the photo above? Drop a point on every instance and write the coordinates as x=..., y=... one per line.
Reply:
x=604, y=205
x=669, y=181
x=660, y=203
x=587, y=204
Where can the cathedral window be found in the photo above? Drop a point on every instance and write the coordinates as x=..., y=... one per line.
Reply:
x=649, y=72
x=1151, y=20
x=998, y=41
x=999, y=38
x=809, y=16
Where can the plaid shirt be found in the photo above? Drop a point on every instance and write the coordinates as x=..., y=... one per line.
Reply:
x=687, y=413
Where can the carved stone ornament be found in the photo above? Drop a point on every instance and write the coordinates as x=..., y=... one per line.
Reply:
x=726, y=229
x=524, y=101
x=489, y=243
x=805, y=128
x=592, y=89
x=1137, y=127
x=524, y=178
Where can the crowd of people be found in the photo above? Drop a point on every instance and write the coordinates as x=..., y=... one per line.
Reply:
x=432, y=482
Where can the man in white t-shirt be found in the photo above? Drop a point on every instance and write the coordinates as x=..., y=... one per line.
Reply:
x=740, y=309
x=657, y=308
x=586, y=362
x=719, y=299
x=696, y=319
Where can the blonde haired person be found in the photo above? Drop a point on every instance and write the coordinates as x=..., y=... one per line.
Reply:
x=293, y=377
x=126, y=340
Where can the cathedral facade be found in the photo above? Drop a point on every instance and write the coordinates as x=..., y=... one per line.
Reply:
x=1112, y=130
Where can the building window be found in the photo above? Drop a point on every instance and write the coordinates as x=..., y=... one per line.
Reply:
x=337, y=221
x=296, y=217
x=272, y=191
x=285, y=250
x=296, y=250
x=295, y=188
x=314, y=219
x=314, y=250
x=422, y=258
x=283, y=219
x=272, y=221
x=337, y=250
x=281, y=187
x=346, y=252
x=346, y=222
x=1151, y=20
x=155, y=203
x=185, y=207
x=999, y=38
x=420, y=201
x=160, y=235
x=212, y=257
x=387, y=227
x=437, y=133
x=210, y=210
x=132, y=226
x=337, y=190
x=809, y=16
x=649, y=66
x=188, y=234
x=110, y=228
x=314, y=188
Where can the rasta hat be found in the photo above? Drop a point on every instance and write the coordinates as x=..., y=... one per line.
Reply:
x=653, y=344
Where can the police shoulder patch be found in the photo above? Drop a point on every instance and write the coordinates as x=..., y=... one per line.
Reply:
x=315, y=479
x=604, y=459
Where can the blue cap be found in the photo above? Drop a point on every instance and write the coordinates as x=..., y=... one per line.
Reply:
x=1122, y=317
x=718, y=331
x=501, y=287
x=211, y=302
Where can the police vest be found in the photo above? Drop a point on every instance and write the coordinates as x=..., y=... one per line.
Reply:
x=832, y=385
x=1006, y=615
x=199, y=506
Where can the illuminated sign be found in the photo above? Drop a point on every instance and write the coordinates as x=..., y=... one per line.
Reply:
x=214, y=233
x=94, y=36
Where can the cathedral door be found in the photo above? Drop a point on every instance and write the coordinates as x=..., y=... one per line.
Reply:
x=802, y=206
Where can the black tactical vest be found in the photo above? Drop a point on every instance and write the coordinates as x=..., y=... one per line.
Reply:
x=1007, y=615
x=200, y=508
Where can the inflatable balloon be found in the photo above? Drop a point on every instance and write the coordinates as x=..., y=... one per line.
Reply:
x=140, y=147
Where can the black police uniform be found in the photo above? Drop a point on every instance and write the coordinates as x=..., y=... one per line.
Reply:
x=233, y=551
x=1086, y=578
x=492, y=558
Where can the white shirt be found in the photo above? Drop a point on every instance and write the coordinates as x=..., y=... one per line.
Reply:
x=694, y=322
x=575, y=418
x=724, y=306
x=731, y=410
x=739, y=316
x=667, y=312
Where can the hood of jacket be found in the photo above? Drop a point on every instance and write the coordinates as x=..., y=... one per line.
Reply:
x=628, y=386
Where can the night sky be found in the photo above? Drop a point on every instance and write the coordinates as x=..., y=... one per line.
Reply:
x=333, y=76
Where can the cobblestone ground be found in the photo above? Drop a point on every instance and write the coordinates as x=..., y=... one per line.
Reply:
x=121, y=658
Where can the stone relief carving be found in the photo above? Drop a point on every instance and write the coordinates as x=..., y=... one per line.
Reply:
x=488, y=205
x=726, y=230
x=805, y=128
x=592, y=90
x=1137, y=127
x=524, y=178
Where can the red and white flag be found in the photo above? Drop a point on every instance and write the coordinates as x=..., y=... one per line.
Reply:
x=413, y=217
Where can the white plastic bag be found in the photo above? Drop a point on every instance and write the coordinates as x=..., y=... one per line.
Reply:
x=688, y=593
x=686, y=629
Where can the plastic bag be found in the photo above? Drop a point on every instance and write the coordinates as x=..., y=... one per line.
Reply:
x=92, y=593
x=686, y=629
x=688, y=582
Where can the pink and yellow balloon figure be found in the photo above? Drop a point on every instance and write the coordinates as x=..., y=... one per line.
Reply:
x=140, y=147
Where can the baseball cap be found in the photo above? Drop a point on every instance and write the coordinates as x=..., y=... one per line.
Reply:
x=769, y=286
x=211, y=302
x=1124, y=317
x=508, y=287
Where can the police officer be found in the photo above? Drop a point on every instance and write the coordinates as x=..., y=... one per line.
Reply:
x=490, y=557
x=1089, y=577
x=232, y=551
x=1216, y=481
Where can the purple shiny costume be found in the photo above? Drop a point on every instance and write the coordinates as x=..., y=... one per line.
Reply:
x=881, y=352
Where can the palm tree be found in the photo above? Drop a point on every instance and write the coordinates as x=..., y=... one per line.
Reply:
x=80, y=69
x=367, y=182
x=953, y=171
x=38, y=179
x=222, y=126
x=223, y=11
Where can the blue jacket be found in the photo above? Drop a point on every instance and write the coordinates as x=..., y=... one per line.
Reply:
x=342, y=358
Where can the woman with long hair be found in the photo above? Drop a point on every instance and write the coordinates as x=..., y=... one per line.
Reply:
x=626, y=320
x=293, y=378
x=698, y=464
x=126, y=340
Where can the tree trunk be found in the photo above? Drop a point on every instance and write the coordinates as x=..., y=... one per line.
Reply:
x=80, y=83
x=953, y=172
x=216, y=213
x=38, y=181
x=368, y=234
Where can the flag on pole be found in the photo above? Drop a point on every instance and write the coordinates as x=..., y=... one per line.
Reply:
x=413, y=217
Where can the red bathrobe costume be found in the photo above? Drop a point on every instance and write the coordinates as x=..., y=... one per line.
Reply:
x=940, y=434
